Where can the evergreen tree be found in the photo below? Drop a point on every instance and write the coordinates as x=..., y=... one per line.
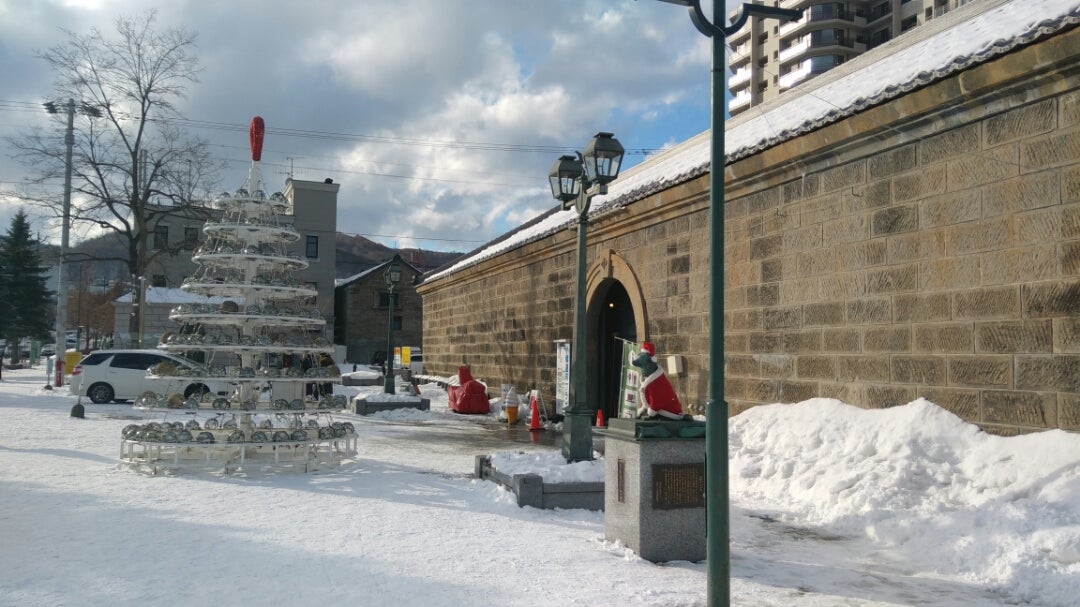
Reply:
x=22, y=287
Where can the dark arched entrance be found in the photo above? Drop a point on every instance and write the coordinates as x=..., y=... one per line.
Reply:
x=615, y=318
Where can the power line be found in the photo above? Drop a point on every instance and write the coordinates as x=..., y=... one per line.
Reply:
x=16, y=105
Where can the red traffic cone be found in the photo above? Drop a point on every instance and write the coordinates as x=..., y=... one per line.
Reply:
x=599, y=418
x=534, y=415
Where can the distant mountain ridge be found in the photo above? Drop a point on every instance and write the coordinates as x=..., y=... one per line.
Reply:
x=356, y=254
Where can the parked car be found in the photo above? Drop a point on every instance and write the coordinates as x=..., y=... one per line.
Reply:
x=48, y=350
x=120, y=375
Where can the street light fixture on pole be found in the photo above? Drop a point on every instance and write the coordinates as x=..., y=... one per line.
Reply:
x=718, y=566
x=62, y=287
x=392, y=276
x=575, y=181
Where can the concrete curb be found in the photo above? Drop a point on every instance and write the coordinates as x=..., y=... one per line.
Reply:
x=363, y=406
x=531, y=490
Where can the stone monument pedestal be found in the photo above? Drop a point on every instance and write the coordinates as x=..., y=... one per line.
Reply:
x=654, y=488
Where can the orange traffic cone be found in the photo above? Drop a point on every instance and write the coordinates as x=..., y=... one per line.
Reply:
x=534, y=415
x=599, y=418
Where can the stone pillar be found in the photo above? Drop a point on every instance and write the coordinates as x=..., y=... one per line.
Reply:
x=654, y=488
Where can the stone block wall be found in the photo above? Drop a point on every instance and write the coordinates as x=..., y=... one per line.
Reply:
x=926, y=247
x=939, y=260
x=502, y=318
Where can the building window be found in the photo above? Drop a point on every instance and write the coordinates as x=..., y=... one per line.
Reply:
x=880, y=37
x=382, y=299
x=312, y=248
x=831, y=10
x=909, y=23
x=191, y=238
x=830, y=37
x=880, y=10
x=157, y=280
x=161, y=237
x=396, y=324
x=824, y=63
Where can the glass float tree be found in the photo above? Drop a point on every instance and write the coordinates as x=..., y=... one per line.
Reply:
x=260, y=333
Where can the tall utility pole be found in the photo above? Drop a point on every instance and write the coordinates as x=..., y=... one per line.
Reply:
x=65, y=233
x=62, y=286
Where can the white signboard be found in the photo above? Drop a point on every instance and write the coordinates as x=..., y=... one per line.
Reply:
x=562, y=374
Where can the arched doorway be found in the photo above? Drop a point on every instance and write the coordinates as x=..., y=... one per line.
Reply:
x=616, y=323
x=615, y=310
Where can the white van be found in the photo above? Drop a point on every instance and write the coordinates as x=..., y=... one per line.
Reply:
x=120, y=375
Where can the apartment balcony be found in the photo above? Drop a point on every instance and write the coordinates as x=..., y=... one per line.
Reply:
x=794, y=51
x=795, y=76
x=740, y=78
x=740, y=36
x=739, y=54
x=739, y=101
x=792, y=26
x=842, y=19
x=833, y=46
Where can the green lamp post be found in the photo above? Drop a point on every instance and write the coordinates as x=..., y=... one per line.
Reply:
x=392, y=276
x=718, y=566
x=574, y=182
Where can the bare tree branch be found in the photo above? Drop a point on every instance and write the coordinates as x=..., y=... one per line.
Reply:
x=131, y=167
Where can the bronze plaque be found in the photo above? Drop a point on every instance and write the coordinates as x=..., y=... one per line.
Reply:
x=621, y=486
x=678, y=486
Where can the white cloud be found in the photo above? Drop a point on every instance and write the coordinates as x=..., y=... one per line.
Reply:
x=546, y=73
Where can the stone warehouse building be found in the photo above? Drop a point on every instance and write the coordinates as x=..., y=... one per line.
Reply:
x=908, y=226
x=362, y=308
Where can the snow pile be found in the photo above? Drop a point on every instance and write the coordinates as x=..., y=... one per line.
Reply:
x=924, y=485
x=552, y=466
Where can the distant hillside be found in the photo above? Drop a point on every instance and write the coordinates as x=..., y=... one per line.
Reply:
x=354, y=255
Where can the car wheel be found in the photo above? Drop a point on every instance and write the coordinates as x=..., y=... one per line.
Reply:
x=196, y=390
x=100, y=393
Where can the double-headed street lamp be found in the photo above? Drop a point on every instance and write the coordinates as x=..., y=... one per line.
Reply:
x=62, y=287
x=392, y=276
x=718, y=565
x=575, y=181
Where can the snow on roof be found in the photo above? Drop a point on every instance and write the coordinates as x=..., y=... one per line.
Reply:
x=958, y=40
x=344, y=281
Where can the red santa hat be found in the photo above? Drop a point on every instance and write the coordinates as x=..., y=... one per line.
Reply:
x=648, y=346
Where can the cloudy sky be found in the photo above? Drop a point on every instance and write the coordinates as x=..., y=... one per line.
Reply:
x=439, y=118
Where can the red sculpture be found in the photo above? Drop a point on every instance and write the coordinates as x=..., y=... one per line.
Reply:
x=469, y=396
x=255, y=137
x=659, y=395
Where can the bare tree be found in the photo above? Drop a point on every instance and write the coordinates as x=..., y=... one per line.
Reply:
x=132, y=166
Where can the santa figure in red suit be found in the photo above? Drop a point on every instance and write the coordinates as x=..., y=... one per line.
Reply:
x=658, y=395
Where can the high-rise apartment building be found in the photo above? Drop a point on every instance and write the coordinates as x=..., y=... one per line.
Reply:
x=768, y=57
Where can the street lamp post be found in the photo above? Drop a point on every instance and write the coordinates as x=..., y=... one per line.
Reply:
x=718, y=566
x=575, y=181
x=392, y=276
x=65, y=231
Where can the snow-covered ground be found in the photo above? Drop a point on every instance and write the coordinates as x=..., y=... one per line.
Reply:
x=831, y=505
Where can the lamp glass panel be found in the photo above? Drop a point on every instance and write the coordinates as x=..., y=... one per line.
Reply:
x=603, y=156
x=563, y=178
